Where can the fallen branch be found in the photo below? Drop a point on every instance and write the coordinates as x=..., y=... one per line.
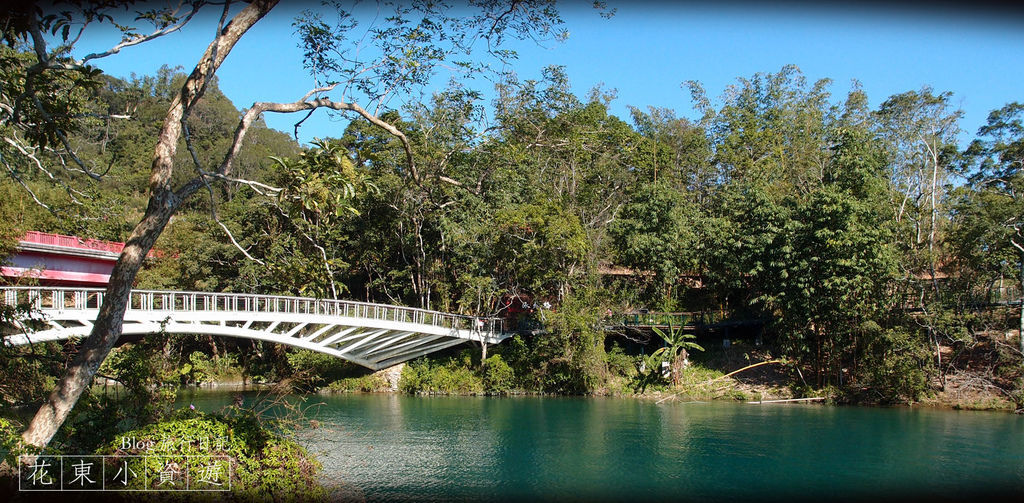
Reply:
x=758, y=402
x=746, y=368
x=730, y=374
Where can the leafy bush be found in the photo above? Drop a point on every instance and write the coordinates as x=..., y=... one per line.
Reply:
x=498, y=375
x=10, y=445
x=619, y=363
x=368, y=384
x=202, y=368
x=264, y=466
x=894, y=366
x=27, y=375
x=570, y=357
x=150, y=381
x=413, y=375
x=523, y=359
x=312, y=369
x=453, y=377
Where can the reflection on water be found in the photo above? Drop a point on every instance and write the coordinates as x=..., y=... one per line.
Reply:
x=385, y=447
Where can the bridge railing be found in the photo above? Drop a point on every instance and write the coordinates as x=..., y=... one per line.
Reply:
x=666, y=319
x=47, y=238
x=43, y=298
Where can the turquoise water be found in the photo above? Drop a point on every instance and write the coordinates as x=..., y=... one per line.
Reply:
x=384, y=447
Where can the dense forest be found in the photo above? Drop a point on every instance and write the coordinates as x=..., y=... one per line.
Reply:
x=882, y=260
x=871, y=245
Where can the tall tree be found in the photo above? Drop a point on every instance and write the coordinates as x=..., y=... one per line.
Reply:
x=920, y=130
x=990, y=215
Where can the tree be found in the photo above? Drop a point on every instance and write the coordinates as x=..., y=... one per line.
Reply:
x=769, y=142
x=990, y=215
x=542, y=248
x=317, y=193
x=919, y=130
x=164, y=201
x=417, y=38
x=832, y=260
x=771, y=130
x=656, y=231
x=677, y=342
x=794, y=229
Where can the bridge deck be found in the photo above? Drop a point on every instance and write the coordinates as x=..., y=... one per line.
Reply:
x=372, y=335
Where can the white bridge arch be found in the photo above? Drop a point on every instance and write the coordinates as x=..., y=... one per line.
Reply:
x=373, y=335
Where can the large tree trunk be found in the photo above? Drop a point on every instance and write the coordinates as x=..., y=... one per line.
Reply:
x=1020, y=327
x=163, y=203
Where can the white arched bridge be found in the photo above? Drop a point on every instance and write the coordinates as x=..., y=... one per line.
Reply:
x=373, y=335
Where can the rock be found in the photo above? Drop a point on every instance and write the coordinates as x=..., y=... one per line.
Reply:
x=391, y=375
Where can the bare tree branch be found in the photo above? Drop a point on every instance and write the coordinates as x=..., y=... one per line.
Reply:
x=14, y=175
x=260, y=188
x=232, y=238
x=146, y=38
x=67, y=143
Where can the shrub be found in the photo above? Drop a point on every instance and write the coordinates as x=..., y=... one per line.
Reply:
x=498, y=375
x=10, y=445
x=453, y=377
x=25, y=379
x=264, y=466
x=619, y=363
x=413, y=375
x=893, y=366
x=368, y=384
x=312, y=369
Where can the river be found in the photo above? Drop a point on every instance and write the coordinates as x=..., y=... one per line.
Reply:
x=386, y=447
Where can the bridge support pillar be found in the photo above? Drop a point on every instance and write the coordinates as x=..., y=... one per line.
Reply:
x=392, y=374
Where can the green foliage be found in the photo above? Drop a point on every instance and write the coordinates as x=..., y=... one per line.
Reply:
x=40, y=104
x=27, y=375
x=10, y=445
x=454, y=375
x=265, y=466
x=150, y=381
x=541, y=247
x=322, y=181
x=319, y=190
x=893, y=364
x=619, y=363
x=368, y=383
x=571, y=354
x=498, y=375
x=655, y=232
x=147, y=379
x=987, y=237
x=519, y=353
x=677, y=342
x=201, y=368
x=311, y=369
x=648, y=372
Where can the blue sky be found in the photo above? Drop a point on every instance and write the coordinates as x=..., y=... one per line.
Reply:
x=648, y=49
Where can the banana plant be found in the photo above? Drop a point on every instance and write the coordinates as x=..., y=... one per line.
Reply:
x=677, y=344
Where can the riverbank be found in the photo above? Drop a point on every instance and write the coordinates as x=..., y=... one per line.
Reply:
x=738, y=373
x=963, y=391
